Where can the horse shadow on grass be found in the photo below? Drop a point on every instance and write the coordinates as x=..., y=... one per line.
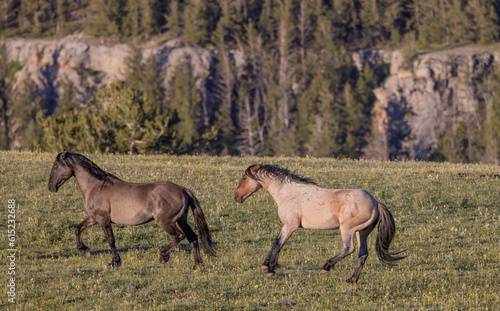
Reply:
x=183, y=247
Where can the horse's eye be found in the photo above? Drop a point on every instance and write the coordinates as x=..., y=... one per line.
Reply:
x=244, y=178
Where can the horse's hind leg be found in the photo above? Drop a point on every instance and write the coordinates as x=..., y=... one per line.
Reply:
x=177, y=236
x=193, y=240
x=348, y=248
x=84, y=250
x=362, y=236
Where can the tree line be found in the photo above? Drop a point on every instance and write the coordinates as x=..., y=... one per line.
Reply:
x=357, y=23
x=298, y=93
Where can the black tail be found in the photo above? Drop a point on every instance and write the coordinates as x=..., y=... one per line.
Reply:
x=206, y=240
x=386, y=231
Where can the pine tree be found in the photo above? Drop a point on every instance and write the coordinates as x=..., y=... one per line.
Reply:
x=67, y=97
x=70, y=130
x=267, y=20
x=314, y=127
x=8, y=20
x=7, y=70
x=61, y=11
x=196, y=22
x=223, y=88
x=145, y=77
x=132, y=21
x=174, y=19
x=485, y=20
x=284, y=41
x=489, y=136
x=315, y=96
x=256, y=98
x=184, y=102
x=119, y=119
x=304, y=28
x=25, y=105
x=354, y=139
x=104, y=17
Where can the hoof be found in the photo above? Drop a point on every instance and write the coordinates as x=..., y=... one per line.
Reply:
x=269, y=274
x=86, y=254
x=265, y=267
x=351, y=280
x=323, y=271
x=197, y=265
x=163, y=261
x=115, y=264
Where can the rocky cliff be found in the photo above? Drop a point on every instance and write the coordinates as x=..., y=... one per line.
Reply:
x=418, y=103
x=415, y=106
x=88, y=64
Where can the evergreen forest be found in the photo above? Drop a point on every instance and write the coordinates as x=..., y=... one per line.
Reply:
x=299, y=93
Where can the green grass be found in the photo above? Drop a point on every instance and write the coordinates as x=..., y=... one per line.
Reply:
x=447, y=219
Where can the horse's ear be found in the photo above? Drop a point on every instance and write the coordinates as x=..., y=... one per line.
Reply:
x=254, y=168
x=63, y=154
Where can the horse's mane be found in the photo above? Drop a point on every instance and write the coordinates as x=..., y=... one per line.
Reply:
x=277, y=173
x=71, y=159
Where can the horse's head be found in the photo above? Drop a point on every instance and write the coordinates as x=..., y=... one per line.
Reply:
x=61, y=172
x=248, y=184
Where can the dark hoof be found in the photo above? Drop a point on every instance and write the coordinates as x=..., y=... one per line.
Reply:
x=270, y=274
x=266, y=267
x=197, y=264
x=351, y=280
x=163, y=261
x=85, y=252
x=115, y=264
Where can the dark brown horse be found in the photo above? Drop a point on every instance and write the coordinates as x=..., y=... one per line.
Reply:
x=302, y=203
x=107, y=200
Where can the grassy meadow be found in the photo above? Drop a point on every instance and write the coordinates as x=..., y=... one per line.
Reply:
x=447, y=218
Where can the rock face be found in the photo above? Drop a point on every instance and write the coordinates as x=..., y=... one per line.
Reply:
x=86, y=65
x=416, y=106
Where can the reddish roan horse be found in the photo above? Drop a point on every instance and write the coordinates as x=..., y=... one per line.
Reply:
x=107, y=200
x=301, y=203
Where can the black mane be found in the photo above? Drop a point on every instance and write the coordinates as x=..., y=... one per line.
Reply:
x=71, y=159
x=278, y=173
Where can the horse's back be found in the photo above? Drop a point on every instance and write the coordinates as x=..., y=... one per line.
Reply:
x=138, y=203
x=332, y=208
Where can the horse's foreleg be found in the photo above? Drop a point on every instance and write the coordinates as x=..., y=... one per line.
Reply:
x=84, y=250
x=108, y=231
x=271, y=262
x=348, y=248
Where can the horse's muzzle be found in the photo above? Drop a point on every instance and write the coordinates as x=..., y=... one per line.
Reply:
x=53, y=188
x=239, y=198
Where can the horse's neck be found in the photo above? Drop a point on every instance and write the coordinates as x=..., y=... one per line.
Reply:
x=279, y=191
x=86, y=182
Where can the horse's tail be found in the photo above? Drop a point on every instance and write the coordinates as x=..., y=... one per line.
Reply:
x=386, y=231
x=199, y=217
